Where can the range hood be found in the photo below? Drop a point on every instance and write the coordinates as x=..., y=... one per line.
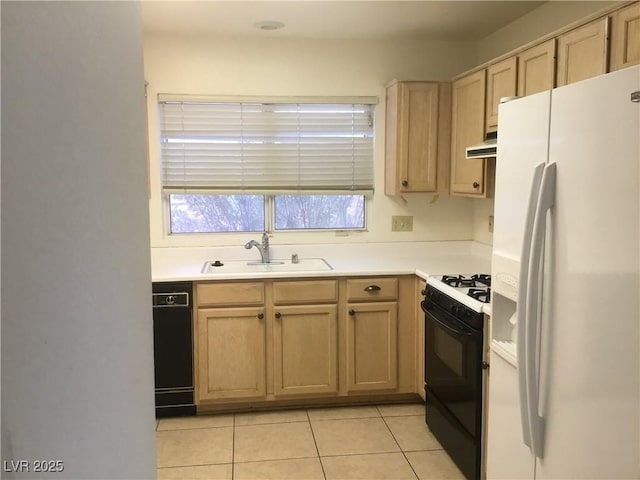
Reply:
x=486, y=149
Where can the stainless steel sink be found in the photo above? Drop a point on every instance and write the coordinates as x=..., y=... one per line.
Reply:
x=275, y=265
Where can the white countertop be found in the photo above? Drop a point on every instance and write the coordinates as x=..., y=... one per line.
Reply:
x=399, y=258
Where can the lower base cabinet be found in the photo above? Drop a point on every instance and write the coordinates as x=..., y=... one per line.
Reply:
x=307, y=341
x=305, y=350
x=231, y=354
x=372, y=346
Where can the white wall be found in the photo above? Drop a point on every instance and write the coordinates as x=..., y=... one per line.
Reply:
x=482, y=209
x=77, y=351
x=545, y=19
x=243, y=66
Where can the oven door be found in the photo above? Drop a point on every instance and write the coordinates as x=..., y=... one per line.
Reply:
x=453, y=365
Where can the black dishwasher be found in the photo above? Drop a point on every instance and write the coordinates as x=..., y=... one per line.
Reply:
x=173, y=348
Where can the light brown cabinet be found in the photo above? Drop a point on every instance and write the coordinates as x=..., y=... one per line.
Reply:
x=305, y=337
x=231, y=339
x=625, y=37
x=417, y=133
x=259, y=340
x=501, y=82
x=536, y=69
x=468, y=176
x=231, y=353
x=582, y=52
x=305, y=350
x=231, y=294
x=372, y=346
x=310, y=340
x=371, y=334
x=571, y=55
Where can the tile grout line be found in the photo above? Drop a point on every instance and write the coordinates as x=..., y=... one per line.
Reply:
x=233, y=448
x=397, y=443
x=324, y=475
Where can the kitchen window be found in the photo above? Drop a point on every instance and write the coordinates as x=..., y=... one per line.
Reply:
x=256, y=166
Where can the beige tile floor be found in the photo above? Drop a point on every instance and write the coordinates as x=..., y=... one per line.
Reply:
x=370, y=442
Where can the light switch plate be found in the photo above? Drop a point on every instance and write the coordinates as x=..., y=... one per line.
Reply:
x=401, y=223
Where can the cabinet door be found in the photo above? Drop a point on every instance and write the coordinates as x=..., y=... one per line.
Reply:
x=468, y=175
x=231, y=353
x=305, y=341
x=536, y=68
x=582, y=53
x=372, y=346
x=296, y=292
x=501, y=82
x=625, y=37
x=411, y=137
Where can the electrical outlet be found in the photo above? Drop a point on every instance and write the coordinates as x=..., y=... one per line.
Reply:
x=491, y=223
x=401, y=223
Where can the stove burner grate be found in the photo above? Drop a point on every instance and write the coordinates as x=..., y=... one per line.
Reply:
x=460, y=281
x=482, y=278
x=481, y=294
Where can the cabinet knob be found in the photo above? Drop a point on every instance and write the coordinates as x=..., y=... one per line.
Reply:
x=405, y=183
x=476, y=184
x=372, y=288
x=278, y=314
x=260, y=316
x=352, y=312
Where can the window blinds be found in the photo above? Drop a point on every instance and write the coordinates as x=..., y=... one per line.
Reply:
x=266, y=147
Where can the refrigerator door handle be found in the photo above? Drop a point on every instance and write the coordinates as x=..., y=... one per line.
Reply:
x=521, y=318
x=545, y=202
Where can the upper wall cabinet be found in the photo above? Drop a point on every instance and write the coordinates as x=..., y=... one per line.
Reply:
x=468, y=176
x=501, y=82
x=418, y=122
x=536, y=68
x=582, y=53
x=625, y=37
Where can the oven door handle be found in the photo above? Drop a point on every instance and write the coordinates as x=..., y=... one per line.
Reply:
x=447, y=326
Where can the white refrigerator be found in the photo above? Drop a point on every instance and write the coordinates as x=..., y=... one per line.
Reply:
x=564, y=380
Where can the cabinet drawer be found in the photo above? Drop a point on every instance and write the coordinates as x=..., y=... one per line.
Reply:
x=367, y=289
x=306, y=291
x=221, y=294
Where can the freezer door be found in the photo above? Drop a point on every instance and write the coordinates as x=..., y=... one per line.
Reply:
x=589, y=355
x=522, y=144
x=507, y=456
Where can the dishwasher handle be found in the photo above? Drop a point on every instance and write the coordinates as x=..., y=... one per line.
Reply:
x=171, y=300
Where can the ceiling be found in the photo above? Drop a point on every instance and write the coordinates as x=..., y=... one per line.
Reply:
x=432, y=20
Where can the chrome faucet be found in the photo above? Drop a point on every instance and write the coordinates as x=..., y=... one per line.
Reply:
x=262, y=248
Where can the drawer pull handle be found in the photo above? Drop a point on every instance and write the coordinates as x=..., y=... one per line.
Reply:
x=278, y=315
x=405, y=183
x=372, y=288
x=260, y=316
x=476, y=184
x=352, y=312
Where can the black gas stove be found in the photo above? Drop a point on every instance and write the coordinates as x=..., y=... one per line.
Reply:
x=455, y=360
x=472, y=290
